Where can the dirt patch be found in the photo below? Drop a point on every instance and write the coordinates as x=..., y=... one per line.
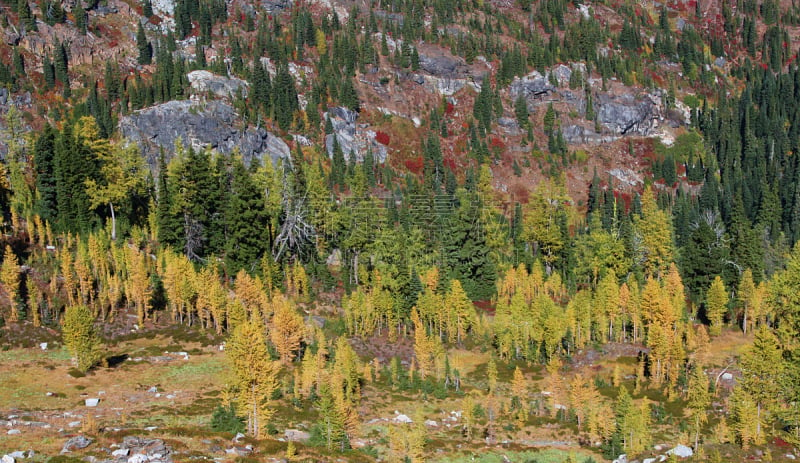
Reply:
x=383, y=349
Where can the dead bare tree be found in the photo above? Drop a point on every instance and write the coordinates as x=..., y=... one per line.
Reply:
x=296, y=229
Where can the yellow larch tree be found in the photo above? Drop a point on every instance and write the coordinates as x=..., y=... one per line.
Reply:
x=287, y=329
x=250, y=291
x=461, y=312
x=137, y=285
x=654, y=227
x=9, y=277
x=256, y=376
x=716, y=305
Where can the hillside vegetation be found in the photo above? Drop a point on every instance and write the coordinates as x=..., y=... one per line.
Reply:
x=400, y=231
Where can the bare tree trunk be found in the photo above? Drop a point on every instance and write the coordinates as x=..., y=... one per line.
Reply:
x=113, y=222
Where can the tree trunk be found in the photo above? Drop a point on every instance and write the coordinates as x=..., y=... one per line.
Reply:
x=758, y=422
x=113, y=222
x=744, y=322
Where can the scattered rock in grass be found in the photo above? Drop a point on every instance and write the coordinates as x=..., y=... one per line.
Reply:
x=296, y=435
x=12, y=432
x=76, y=443
x=681, y=451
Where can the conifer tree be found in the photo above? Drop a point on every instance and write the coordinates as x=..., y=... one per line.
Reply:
x=144, y=46
x=716, y=305
x=287, y=331
x=244, y=219
x=147, y=8
x=81, y=338
x=9, y=277
x=698, y=400
x=255, y=374
x=26, y=18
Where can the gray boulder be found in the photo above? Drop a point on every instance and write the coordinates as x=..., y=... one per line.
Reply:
x=276, y=5
x=223, y=87
x=442, y=65
x=532, y=87
x=576, y=134
x=164, y=7
x=197, y=124
x=76, y=443
x=625, y=114
x=296, y=435
x=563, y=74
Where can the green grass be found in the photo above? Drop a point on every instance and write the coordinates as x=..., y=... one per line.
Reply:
x=543, y=456
x=31, y=355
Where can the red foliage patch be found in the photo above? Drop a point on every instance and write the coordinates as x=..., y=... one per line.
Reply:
x=624, y=198
x=450, y=163
x=780, y=443
x=414, y=165
x=382, y=138
x=497, y=143
x=449, y=108
x=485, y=306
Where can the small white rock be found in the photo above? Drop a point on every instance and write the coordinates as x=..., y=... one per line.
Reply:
x=120, y=453
x=74, y=424
x=138, y=458
x=92, y=402
x=43, y=345
x=12, y=432
x=7, y=459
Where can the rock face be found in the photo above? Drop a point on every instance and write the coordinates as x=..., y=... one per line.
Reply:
x=205, y=82
x=198, y=124
x=276, y=5
x=164, y=7
x=576, y=134
x=442, y=65
x=532, y=87
x=354, y=139
x=625, y=114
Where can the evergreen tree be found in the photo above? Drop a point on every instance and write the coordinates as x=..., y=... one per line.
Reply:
x=245, y=217
x=81, y=338
x=716, y=305
x=145, y=48
x=147, y=9
x=521, y=112
x=44, y=160
x=26, y=18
